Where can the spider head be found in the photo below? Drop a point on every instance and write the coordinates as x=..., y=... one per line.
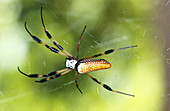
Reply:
x=70, y=63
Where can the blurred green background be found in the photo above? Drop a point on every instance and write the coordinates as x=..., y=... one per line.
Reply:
x=110, y=24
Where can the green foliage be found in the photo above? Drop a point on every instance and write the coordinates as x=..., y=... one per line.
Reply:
x=110, y=24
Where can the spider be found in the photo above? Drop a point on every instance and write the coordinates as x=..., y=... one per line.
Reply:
x=82, y=66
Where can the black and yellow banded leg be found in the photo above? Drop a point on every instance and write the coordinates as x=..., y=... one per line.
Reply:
x=107, y=87
x=77, y=84
x=50, y=37
x=42, y=75
x=55, y=76
x=107, y=52
x=47, y=46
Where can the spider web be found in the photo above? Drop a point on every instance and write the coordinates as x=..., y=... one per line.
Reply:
x=110, y=24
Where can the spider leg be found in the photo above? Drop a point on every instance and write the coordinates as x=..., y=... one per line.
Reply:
x=108, y=52
x=79, y=41
x=47, y=46
x=55, y=76
x=50, y=37
x=77, y=84
x=42, y=75
x=107, y=87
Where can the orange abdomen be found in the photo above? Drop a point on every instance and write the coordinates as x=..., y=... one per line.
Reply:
x=90, y=65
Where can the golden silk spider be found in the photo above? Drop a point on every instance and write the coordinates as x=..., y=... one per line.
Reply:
x=82, y=66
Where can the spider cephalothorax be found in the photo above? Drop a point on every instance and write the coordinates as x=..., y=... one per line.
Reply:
x=82, y=66
x=71, y=63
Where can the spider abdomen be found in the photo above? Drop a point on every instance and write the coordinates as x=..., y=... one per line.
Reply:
x=90, y=65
